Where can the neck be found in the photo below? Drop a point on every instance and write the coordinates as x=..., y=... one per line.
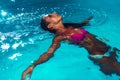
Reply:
x=61, y=28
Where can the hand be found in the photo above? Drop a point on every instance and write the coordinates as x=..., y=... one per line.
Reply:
x=90, y=18
x=28, y=72
x=85, y=22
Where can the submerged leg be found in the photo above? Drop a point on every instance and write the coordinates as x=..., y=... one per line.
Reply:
x=116, y=49
x=108, y=65
x=114, y=53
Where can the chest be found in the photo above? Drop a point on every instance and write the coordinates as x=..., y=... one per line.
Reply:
x=75, y=36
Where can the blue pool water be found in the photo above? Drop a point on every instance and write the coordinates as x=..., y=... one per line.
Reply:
x=22, y=41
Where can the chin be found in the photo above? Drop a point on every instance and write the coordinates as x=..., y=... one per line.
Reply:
x=60, y=18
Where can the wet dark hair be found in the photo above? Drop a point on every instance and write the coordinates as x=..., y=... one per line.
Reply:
x=44, y=25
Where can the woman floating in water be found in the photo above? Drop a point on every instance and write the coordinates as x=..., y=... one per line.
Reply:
x=99, y=52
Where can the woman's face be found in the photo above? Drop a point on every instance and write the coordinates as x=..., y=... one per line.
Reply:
x=52, y=18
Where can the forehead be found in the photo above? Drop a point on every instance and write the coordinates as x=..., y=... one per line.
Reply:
x=46, y=17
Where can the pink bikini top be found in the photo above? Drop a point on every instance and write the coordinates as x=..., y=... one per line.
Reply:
x=78, y=37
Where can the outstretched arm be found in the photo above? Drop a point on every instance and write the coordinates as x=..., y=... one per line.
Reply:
x=77, y=25
x=44, y=57
x=85, y=22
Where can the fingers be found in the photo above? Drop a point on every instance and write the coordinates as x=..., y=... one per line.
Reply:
x=87, y=20
x=29, y=75
x=23, y=76
x=26, y=74
x=90, y=18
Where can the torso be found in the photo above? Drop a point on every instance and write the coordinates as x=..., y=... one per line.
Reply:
x=87, y=40
x=94, y=46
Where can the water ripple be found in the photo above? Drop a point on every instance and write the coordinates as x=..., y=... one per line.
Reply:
x=23, y=28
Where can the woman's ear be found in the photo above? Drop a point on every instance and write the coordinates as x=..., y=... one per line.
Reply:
x=50, y=26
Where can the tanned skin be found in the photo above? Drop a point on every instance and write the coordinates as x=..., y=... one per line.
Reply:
x=94, y=46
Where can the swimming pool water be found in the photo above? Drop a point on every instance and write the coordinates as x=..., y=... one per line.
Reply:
x=22, y=41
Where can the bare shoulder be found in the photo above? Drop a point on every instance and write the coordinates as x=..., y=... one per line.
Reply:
x=58, y=38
